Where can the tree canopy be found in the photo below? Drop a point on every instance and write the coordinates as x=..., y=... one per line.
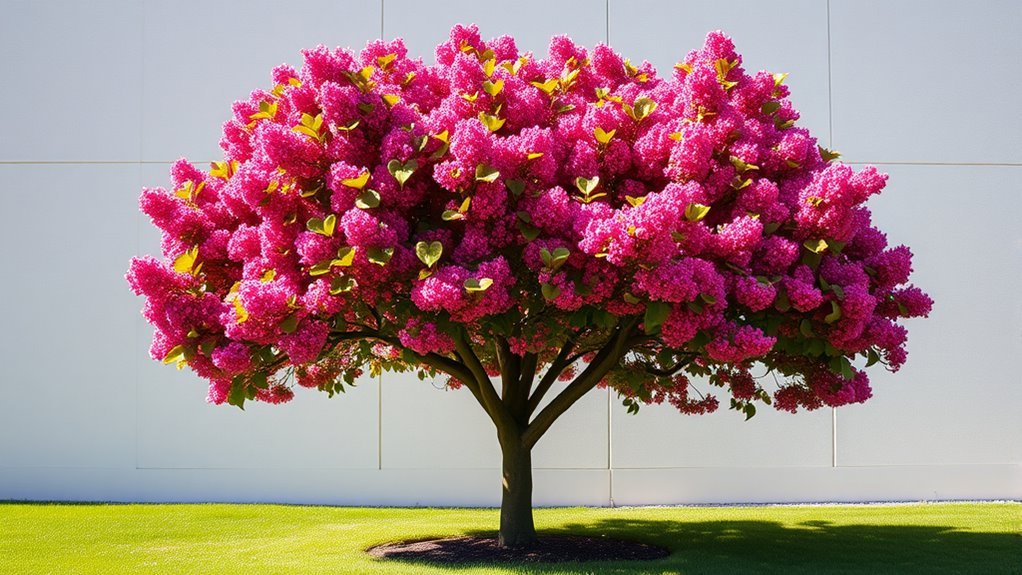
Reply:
x=501, y=215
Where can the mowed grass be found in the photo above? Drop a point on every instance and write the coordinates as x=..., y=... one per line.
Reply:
x=255, y=539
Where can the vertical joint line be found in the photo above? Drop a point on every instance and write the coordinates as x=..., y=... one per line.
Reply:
x=830, y=89
x=606, y=13
x=610, y=449
x=833, y=437
x=379, y=422
x=382, y=37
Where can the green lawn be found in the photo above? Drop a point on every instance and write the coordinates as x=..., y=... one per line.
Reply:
x=256, y=539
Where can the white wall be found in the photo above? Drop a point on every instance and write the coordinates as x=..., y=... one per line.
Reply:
x=99, y=97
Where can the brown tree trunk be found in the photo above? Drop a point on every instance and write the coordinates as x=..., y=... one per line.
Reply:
x=516, y=526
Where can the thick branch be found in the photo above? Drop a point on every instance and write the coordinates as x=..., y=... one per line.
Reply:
x=557, y=366
x=605, y=360
x=488, y=395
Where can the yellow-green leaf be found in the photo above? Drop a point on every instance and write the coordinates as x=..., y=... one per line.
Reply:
x=322, y=268
x=268, y=276
x=815, y=246
x=587, y=185
x=450, y=215
x=602, y=136
x=533, y=155
x=489, y=65
x=492, y=122
x=493, y=88
x=345, y=256
x=384, y=61
x=478, y=285
x=635, y=201
x=391, y=99
x=640, y=109
x=695, y=212
x=175, y=355
x=185, y=263
x=828, y=155
x=547, y=87
x=341, y=285
x=429, y=253
x=367, y=199
x=779, y=78
x=357, y=183
x=402, y=170
x=486, y=173
x=380, y=256
x=835, y=313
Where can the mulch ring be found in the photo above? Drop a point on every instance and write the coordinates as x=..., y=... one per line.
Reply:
x=550, y=549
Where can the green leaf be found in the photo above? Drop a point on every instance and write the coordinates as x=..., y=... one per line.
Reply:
x=402, y=170
x=656, y=313
x=176, y=354
x=429, y=253
x=806, y=328
x=341, y=285
x=530, y=232
x=602, y=136
x=770, y=107
x=695, y=212
x=516, y=186
x=841, y=366
x=550, y=291
x=258, y=380
x=238, y=394
x=872, y=357
x=828, y=155
x=485, y=173
x=835, y=313
x=640, y=109
x=290, y=324
x=345, y=256
x=358, y=183
x=749, y=410
x=815, y=246
x=587, y=185
x=478, y=285
x=324, y=227
x=367, y=199
x=451, y=215
x=631, y=298
x=380, y=256
x=322, y=268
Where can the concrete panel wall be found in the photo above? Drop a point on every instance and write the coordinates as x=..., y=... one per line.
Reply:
x=100, y=99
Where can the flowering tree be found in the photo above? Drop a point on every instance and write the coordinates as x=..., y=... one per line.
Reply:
x=507, y=221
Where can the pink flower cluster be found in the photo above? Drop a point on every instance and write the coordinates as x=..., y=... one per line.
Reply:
x=504, y=194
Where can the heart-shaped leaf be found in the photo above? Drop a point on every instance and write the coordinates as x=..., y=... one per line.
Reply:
x=478, y=285
x=345, y=257
x=290, y=324
x=402, y=170
x=602, y=136
x=695, y=212
x=367, y=199
x=815, y=246
x=493, y=88
x=587, y=185
x=516, y=186
x=550, y=291
x=380, y=256
x=485, y=173
x=492, y=122
x=429, y=253
x=324, y=227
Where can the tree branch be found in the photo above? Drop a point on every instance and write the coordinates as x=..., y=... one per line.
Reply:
x=689, y=357
x=557, y=366
x=605, y=360
x=487, y=394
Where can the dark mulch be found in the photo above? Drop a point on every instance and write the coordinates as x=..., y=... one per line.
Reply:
x=550, y=549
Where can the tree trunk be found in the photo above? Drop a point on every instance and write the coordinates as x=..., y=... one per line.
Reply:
x=516, y=526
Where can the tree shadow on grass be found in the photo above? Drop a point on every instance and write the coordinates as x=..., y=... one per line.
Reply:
x=809, y=547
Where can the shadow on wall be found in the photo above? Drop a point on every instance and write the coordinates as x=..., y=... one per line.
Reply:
x=810, y=547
